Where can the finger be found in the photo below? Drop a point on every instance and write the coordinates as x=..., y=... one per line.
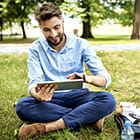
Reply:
x=55, y=86
x=52, y=89
x=72, y=76
x=37, y=88
x=48, y=94
x=78, y=76
x=48, y=87
x=43, y=89
x=38, y=97
x=52, y=86
x=41, y=97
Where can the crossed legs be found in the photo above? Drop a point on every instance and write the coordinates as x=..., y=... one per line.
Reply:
x=71, y=110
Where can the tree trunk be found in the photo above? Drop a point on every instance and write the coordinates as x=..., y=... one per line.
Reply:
x=23, y=30
x=86, y=22
x=136, y=21
x=1, y=23
x=86, y=30
x=11, y=31
x=1, y=36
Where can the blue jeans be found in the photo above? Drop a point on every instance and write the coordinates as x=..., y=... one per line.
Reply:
x=77, y=107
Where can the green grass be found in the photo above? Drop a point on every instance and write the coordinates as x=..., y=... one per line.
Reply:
x=113, y=39
x=98, y=39
x=124, y=68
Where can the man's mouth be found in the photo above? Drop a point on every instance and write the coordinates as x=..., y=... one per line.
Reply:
x=55, y=39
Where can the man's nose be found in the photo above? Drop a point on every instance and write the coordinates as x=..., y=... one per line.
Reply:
x=53, y=33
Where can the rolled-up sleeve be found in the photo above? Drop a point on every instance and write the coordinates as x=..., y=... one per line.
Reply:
x=95, y=64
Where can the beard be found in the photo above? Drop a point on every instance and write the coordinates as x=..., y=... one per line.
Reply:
x=52, y=42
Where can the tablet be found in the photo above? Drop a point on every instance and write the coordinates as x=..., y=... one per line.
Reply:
x=65, y=84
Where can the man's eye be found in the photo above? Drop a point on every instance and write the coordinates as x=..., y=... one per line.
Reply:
x=45, y=30
x=57, y=27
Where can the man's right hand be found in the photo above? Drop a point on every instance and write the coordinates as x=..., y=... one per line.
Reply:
x=45, y=93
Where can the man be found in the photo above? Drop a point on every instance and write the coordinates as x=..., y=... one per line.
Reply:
x=59, y=56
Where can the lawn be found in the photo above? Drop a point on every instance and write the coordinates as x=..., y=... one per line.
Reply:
x=124, y=68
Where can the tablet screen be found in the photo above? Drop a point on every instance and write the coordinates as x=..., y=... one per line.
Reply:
x=65, y=84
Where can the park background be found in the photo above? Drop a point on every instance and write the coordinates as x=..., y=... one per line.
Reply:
x=107, y=22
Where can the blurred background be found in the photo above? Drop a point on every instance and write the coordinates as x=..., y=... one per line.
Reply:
x=82, y=18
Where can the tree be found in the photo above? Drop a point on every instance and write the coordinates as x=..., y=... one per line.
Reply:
x=136, y=21
x=1, y=19
x=127, y=14
x=21, y=12
x=18, y=11
x=87, y=19
x=96, y=13
x=91, y=13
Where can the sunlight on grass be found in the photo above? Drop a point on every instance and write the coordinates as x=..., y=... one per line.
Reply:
x=124, y=68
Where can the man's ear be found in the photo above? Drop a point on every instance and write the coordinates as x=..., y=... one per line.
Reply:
x=39, y=23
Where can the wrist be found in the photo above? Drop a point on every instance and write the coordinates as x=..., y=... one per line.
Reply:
x=31, y=87
x=89, y=79
x=33, y=92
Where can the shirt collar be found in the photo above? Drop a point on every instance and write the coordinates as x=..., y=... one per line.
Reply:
x=46, y=46
x=68, y=40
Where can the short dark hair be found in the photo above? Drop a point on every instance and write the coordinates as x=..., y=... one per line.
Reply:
x=47, y=11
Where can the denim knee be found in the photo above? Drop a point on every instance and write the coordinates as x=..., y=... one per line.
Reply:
x=21, y=107
x=112, y=101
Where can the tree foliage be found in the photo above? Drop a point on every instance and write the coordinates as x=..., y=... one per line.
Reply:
x=17, y=11
x=127, y=14
x=91, y=12
x=123, y=11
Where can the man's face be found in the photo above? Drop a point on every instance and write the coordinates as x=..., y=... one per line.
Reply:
x=53, y=30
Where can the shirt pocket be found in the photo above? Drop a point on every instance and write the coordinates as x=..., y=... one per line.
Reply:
x=70, y=66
